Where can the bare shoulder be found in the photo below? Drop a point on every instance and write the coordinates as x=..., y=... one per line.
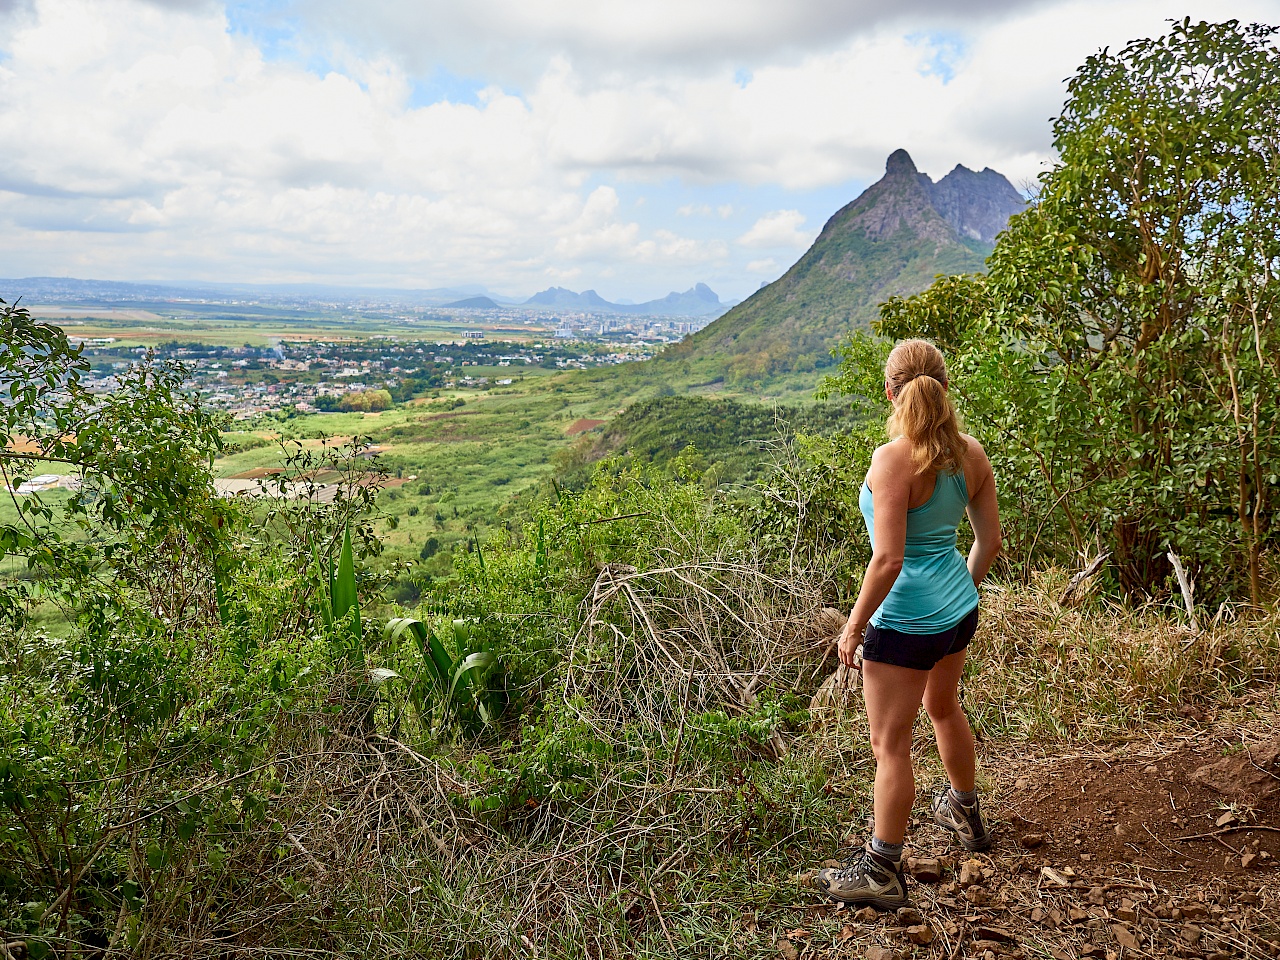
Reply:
x=895, y=453
x=977, y=466
x=890, y=466
x=975, y=453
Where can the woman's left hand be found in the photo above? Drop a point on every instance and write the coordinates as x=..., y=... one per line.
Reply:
x=850, y=640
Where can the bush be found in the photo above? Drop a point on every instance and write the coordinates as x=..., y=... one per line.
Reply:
x=367, y=401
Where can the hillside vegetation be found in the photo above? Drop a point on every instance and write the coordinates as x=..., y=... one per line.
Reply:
x=611, y=727
x=891, y=240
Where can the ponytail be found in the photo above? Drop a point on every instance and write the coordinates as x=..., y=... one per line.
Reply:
x=922, y=412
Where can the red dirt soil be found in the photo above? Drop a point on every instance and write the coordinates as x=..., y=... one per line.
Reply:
x=582, y=425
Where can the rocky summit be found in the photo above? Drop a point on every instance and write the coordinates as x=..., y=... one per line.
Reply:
x=892, y=240
x=976, y=205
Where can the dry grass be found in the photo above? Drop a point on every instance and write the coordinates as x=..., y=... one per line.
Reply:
x=1042, y=669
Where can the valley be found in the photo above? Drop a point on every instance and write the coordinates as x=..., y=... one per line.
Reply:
x=471, y=408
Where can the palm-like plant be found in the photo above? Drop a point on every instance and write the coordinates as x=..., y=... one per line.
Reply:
x=458, y=686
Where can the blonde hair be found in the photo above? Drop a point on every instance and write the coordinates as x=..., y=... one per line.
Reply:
x=916, y=375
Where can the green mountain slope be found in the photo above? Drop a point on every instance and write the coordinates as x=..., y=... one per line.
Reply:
x=891, y=240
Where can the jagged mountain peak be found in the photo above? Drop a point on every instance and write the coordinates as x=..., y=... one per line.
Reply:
x=899, y=162
x=976, y=205
x=900, y=232
x=700, y=300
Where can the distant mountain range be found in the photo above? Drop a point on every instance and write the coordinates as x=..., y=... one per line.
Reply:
x=698, y=301
x=474, y=303
x=892, y=240
x=73, y=290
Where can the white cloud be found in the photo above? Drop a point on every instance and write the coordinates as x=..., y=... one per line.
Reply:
x=763, y=266
x=724, y=211
x=678, y=249
x=781, y=228
x=514, y=39
x=159, y=125
x=149, y=140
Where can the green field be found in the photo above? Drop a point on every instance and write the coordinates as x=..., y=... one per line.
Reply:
x=220, y=325
x=470, y=462
x=477, y=457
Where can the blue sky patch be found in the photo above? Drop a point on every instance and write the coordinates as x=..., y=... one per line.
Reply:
x=443, y=85
x=945, y=52
x=266, y=23
x=278, y=35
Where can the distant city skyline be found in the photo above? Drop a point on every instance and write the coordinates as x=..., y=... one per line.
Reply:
x=633, y=149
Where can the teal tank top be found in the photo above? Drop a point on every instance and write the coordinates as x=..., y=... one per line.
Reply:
x=934, y=591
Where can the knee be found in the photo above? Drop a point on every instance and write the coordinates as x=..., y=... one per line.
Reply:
x=887, y=745
x=942, y=708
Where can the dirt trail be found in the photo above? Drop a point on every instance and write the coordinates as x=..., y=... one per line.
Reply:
x=1162, y=849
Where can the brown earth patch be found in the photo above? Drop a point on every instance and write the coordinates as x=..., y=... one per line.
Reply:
x=1160, y=813
x=1250, y=775
x=257, y=473
x=1135, y=850
x=25, y=445
x=582, y=425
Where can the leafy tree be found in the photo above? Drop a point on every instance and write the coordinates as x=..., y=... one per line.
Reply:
x=1120, y=360
x=365, y=400
x=142, y=454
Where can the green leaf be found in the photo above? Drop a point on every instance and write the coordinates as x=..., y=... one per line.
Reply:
x=398, y=626
x=344, y=582
x=480, y=661
x=440, y=663
x=156, y=856
x=326, y=602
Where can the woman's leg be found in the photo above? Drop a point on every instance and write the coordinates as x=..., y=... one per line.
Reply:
x=893, y=697
x=950, y=725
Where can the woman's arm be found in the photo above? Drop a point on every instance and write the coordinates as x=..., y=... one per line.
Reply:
x=890, y=481
x=984, y=515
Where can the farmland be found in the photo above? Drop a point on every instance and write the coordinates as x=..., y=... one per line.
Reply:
x=484, y=406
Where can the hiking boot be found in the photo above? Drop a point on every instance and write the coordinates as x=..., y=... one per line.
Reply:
x=869, y=880
x=964, y=821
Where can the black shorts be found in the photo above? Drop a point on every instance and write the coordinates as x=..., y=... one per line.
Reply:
x=919, y=651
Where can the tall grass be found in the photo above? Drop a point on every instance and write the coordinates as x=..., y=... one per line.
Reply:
x=650, y=808
x=1041, y=669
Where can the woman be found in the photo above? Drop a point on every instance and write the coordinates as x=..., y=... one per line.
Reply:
x=916, y=613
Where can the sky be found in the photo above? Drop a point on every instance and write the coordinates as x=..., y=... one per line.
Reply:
x=632, y=147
